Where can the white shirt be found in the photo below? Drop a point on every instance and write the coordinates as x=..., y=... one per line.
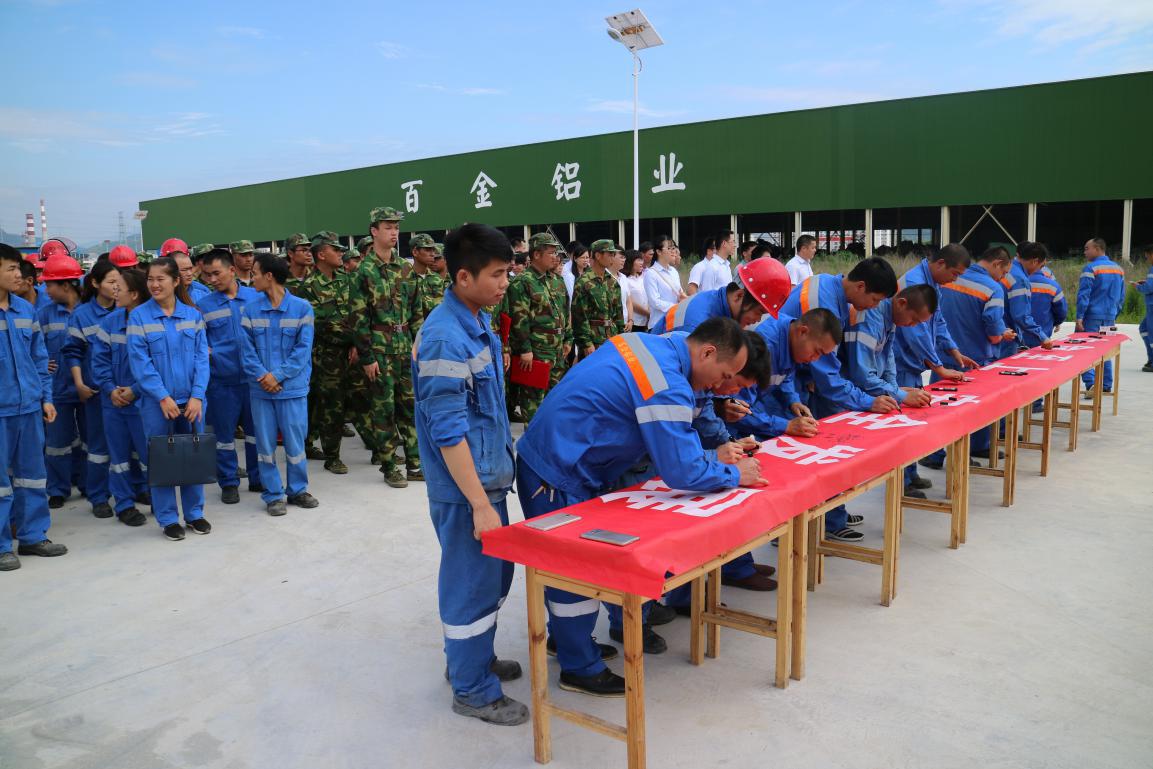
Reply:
x=569, y=279
x=637, y=292
x=662, y=287
x=711, y=273
x=623, y=282
x=799, y=270
x=722, y=273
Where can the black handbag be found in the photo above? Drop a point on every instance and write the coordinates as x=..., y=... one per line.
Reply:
x=181, y=460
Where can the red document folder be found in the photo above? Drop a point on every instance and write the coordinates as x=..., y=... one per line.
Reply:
x=537, y=377
x=505, y=327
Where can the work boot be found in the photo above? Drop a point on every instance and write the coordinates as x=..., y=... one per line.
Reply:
x=984, y=454
x=504, y=670
x=102, y=510
x=764, y=568
x=653, y=643
x=9, y=561
x=757, y=582
x=200, y=526
x=241, y=472
x=1147, y=368
x=913, y=493
x=132, y=517
x=303, y=499
x=55, y=503
x=256, y=488
x=604, y=684
x=659, y=614
x=336, y=467
x=415, y=475
x=230, y=495
x=312, y=452
x=347, y=431
x=47, y=548
x=932, y=464
x=144, y=498
x=920, y=483
x=503, y=712
x=174, y=531
x=394, y=479
x=607, y=652
x=277, y=508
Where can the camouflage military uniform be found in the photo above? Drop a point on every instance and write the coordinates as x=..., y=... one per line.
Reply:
x=596, y=305
x=293, y=284
x=537, y=305
x=379, y=312
x=425, y=291
x=336, y=389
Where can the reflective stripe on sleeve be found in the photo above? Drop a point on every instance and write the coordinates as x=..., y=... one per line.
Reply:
x=664, y=413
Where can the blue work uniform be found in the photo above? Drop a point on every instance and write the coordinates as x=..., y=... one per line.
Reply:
x=83, y=325
x=692, y=312
x=278, y=340
x=42, y=298
x=65, y=447
x=1050, y=308
x=123, y=426
x=458, y=384
x=870, y=352
x=1031, y=330
x=1146, y=327
x=1100, y=297
x=25, y=386
x=771, y=407
x=168, y=356
x=630, y=398
x=197, y=291
x=228, y=391
x=924, y=342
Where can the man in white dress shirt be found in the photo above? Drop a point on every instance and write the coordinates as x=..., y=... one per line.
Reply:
x=800, y=267
x=662, y=280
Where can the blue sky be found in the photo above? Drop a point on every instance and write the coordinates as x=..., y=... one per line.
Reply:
x=108, y=103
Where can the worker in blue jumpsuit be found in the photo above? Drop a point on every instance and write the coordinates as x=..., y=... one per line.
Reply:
x=1100, y=297
x=25, y=405
x=277, y=353
x=101, y=287
x=633, y=397
x=822, y=383
x=1031, y=331
x=870, y=349
x=120, y=399
x=32, y=293
x=466, y=452
x=65, y=448
x=975, y=312
x=1145, y=287
x=1050, y=307
x=229, y=404
x=168, y=355
x=922, y=347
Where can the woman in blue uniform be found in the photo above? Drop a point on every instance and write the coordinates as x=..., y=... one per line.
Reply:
x=168, y=355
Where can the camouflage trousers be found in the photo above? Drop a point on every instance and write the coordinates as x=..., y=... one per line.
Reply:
x=392, y=413
x=528, y=399
x=338, y=393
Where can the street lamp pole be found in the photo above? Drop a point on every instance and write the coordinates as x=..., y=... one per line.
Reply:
x=636, y=153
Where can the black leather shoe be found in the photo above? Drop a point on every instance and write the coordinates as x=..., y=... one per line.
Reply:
x=920, y=483
x=608, y=652
x=604, y=684
x=47, y=549
x=653, y=643
x=132, y=517
x=230, y=495
x=659, y=614
x=932, y=464
x=55, y=503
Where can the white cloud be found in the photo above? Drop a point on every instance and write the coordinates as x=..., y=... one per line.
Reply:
x=392, y=50
x=156, y=80
x=41, y=130
x=800, y=98
x=470, y=91
x=249, y=32
x=1054, y=23
x=625, y=107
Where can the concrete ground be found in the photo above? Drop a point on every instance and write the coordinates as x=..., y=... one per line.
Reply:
x=313, y=640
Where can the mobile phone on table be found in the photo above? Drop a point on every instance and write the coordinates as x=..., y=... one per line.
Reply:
x=550, y=522
x=609, y=537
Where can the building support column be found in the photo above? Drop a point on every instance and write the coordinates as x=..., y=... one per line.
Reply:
x=676, y=234
x=620, y=232
x=527, y=233
x=868, y=232
x=944, y=238
x=790, y=247
x=571, y=231
x=1031, y=222
x=733, y=227
x=1127, y=230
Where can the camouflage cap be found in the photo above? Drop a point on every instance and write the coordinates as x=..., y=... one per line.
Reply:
x=328, y=238
x=542, y=240
x=439, y=248
x=421, y=240
x=363, y=243
x=384, y=214
x=199, y=250
x=241, y=247
x=604, y=244
x=296, y=239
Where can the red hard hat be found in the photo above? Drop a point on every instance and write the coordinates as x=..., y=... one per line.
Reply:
x=173, y=246
x=768, y=281
x=123, y=256
x=62, y=267
x=52, y=248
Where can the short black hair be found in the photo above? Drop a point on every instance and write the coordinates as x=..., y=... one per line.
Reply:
x=645, y=246
x=759, y=366
x=998, y=254
x=472, y=247
x=520, y=257
x=953, y=255
x=822, y=322
x=760, y=250
x=724, y=235
x=744, y=247
x=27, y=269
x=748, y=302
x=222, y=255
x=805, y=240
x=707, y=244
x=10, y=254
x=876, y=274
x=723, y=333
x=1100, y=243
x=919, y=297
x=274, y=266
x=1032, y=250
x=516, y=240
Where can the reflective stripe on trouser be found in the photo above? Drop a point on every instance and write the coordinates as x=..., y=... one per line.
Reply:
x=289, y=418
x=571, y=617
x=1090, y=376
x=23, y=501
x=471, y=587
x=96, y=474
x=230, y=406
x=125, y=434
x=164, y=497
x=64, y=458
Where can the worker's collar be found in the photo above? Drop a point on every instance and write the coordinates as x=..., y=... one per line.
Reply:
x=473, y=324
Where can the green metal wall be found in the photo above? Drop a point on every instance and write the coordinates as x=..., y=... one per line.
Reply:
x=1072, y=141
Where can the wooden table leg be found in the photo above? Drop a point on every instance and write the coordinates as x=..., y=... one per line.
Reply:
x=538, y=667
x=958, y=459
x=712, y=601
x=1075, y=413
x=696, y=631
x=1098, y=395
x=814, y=560
x=784, y=606
x=1116, y=382
x=963, y=487
x=995, y=444
x=634, y=680
x=894, y=488
x=800, y=589
x=1049, y=411
x=1010, y=469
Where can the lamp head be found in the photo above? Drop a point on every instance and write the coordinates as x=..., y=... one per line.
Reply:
x=614, y=34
